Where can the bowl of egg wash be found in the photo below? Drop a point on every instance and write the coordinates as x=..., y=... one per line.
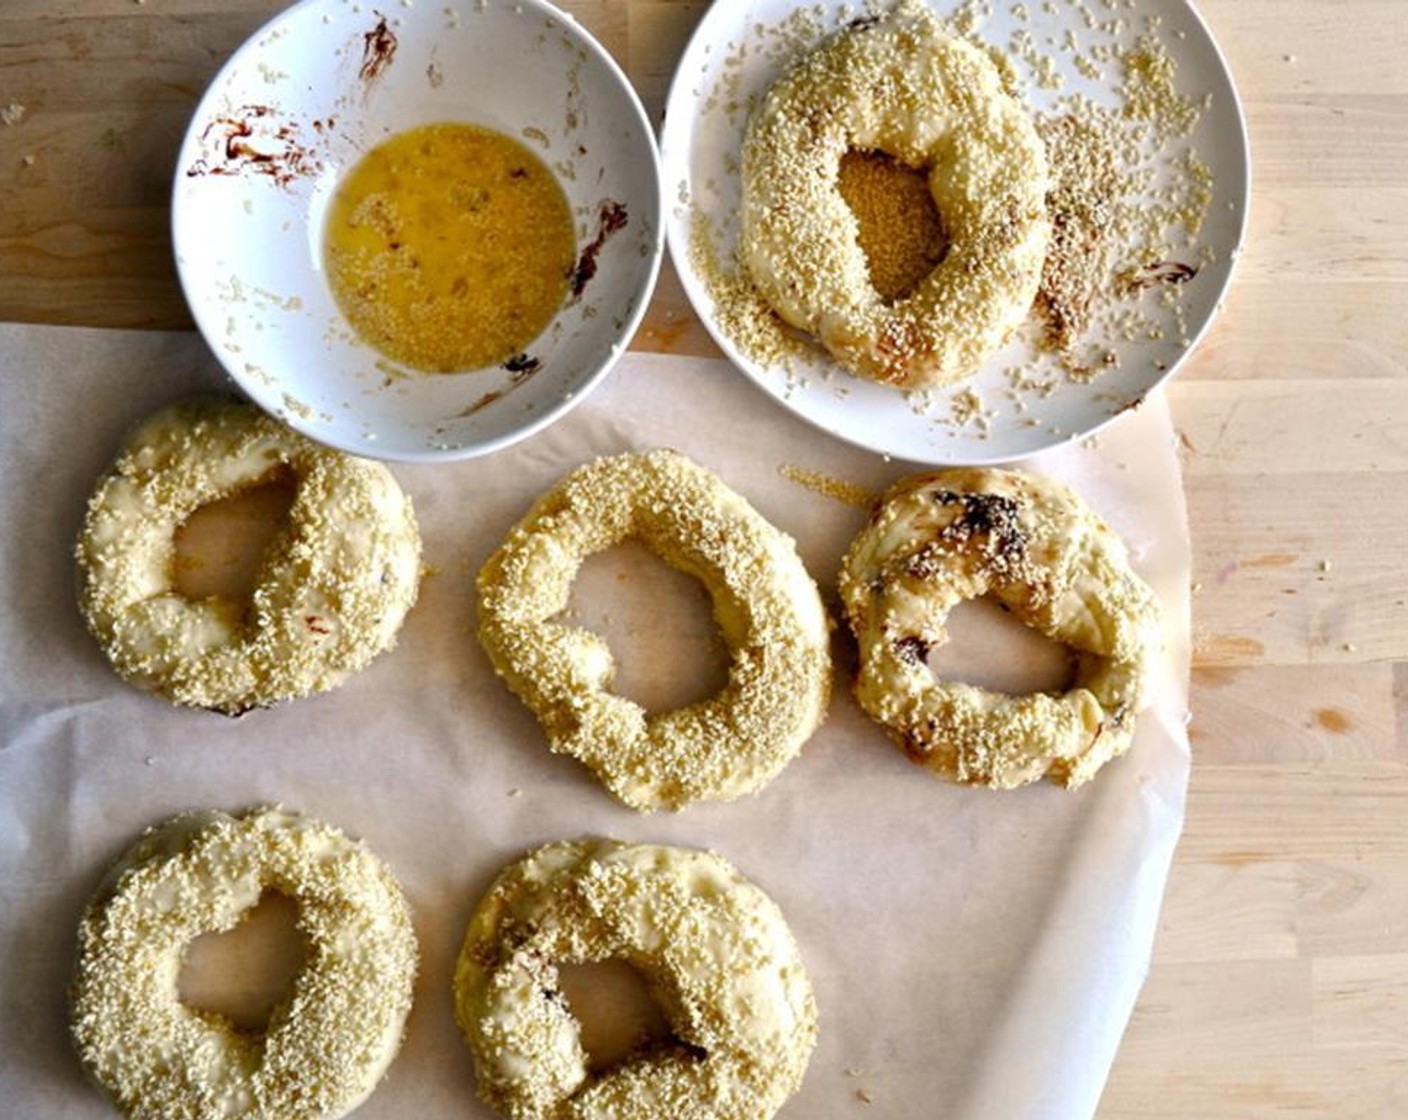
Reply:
x=418, y=232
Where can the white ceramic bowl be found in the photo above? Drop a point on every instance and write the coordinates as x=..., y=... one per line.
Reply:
x=299, y=104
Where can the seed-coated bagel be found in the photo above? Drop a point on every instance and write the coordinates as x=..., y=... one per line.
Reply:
x=764, y=601
x=903, y=86
x=715, y=950
x=935, y=540
x=325, y=1048
x=334, y=585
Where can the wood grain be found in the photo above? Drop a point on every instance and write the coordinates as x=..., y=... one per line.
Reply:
x=1280, y=981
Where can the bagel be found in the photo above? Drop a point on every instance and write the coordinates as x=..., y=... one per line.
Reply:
x=714, y=949
x=937, y=539
x=764, y=601
x=902, y=86
x=333, y=588
x=325, y=1048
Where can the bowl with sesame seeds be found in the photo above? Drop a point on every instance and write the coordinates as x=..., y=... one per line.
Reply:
x=423, y=232
x=1149, y=183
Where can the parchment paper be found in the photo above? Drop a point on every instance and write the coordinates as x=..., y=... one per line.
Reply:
x=974, y=954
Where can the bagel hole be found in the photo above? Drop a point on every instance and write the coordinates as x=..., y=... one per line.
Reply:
x=616, y=1012
x=220, y=547
x=658, y=622
x=902, y=233
x=243, y=974
x=991, y=648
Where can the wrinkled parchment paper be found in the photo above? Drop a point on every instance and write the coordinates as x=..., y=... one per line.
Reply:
x=974, y=954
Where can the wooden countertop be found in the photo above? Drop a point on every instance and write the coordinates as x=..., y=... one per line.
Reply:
x=1280, y=980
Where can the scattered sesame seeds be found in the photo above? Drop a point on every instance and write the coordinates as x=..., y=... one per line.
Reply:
x=1149, y=91
x=967, y=408
x=838, y=489
x=1088, y=185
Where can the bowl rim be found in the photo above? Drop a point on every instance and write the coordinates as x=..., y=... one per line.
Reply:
x=202, y=314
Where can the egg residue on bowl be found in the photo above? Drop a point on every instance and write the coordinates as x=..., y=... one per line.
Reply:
x=449, y=247
x=458, y=250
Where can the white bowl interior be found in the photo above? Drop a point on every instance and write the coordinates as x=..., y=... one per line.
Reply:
x=298, y=105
